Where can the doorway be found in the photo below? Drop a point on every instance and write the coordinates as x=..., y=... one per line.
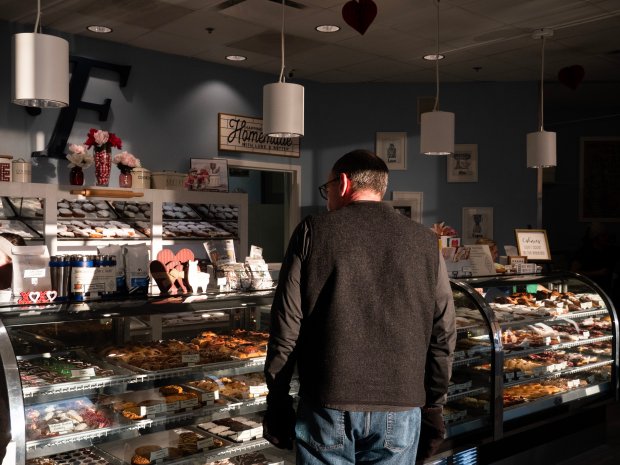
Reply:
x=273, y=203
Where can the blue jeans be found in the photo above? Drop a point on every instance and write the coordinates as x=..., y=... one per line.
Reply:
x=336, y=437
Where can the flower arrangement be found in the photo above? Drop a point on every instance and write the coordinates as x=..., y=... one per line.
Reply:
x=126, y=162
x=441, y=229
x=79, y=156
x=103, y=140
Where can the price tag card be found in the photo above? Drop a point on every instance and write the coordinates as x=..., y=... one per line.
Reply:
x=152, y=409
x=189, y=403
x=85, y=373
x=173, y=407
x=210, y=396
x=205, y=443
x=258, y=390
x=190, y=359
x=220, y=415
x=159, y=454
x=61, y=428
x=585, y=335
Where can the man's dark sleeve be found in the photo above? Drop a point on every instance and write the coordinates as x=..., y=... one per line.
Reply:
x=438, y=367
x=286, y=316
x=443, y=340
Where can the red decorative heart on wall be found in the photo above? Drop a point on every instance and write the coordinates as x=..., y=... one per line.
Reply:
x=571, y=76
x=359, y=14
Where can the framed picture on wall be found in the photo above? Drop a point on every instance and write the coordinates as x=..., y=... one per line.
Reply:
x=413, y=199
x=477, y=224
x=407, y=207
x=462, y=165
x=599, y=189
x=208, y=174
x=392, y=148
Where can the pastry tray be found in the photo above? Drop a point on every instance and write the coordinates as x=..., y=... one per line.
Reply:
x=193, y=230
x=84, y=209
x=66, y=417
x=131, y=210
x=178, y=211
x=236, y=429
x=98, y=229
x=151, y=403
x=168, y=442
x=19, y=228
x=79, y=457
x=27, y=207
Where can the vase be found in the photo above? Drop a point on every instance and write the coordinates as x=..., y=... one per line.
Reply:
x=124, y=179
x=76, y=176
x=103, y=165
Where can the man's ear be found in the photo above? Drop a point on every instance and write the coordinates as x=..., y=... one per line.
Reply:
x=344, y=185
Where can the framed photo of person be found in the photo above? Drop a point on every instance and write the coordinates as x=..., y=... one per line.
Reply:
x=477, y=224
x=392, y=148
x=208, y=174
x=462, y=165
x=533, y=244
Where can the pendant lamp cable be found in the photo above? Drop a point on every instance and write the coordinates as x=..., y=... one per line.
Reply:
x=542, y=80
x=36, y=25
x=282, y=79
x=437, y=59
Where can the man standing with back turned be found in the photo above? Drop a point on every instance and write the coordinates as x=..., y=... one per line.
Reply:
x=364, y=307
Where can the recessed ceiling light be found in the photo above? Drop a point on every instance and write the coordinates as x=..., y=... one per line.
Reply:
x=328, y=28
x=433, y=57
x=236, y=58
x=99, y=29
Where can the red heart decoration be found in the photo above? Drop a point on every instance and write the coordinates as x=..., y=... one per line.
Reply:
x=359, y=15
x=571, y=76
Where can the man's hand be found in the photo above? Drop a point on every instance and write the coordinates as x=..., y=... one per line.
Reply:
x=432, y=432
x=279, y=423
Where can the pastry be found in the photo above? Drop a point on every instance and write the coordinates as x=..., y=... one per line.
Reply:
x=140, y=460
x=146, y=450
x=170, y=390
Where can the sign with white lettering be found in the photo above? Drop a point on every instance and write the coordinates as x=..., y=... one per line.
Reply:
x=533, y=244
x=245, y=134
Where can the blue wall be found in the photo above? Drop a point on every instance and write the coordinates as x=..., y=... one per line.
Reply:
x=168, y=113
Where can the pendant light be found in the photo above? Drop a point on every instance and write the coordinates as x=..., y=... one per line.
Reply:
x=283, y=103
x=437, y=127
x=41, y=68
x=541, y=145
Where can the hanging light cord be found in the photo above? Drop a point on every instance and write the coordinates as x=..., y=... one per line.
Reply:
x=36, y=25
x=542, y=80
x=437, y=60
x=282, y=79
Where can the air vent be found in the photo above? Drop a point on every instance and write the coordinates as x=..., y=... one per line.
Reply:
x=230, y=3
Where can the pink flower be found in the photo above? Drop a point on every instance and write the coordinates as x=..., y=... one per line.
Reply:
x=126, y=161
x=101, y=137
x=78, y=149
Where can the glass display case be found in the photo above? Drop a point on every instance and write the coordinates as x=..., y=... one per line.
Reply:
x=529, y=344
x=151, y=380
x=178, y=379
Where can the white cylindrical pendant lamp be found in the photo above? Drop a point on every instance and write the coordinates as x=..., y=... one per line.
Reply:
x=437, y=133
x=541, y=149
x=283, y=110
x=41, y=70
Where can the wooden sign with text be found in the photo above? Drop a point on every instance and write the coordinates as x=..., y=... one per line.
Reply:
x=245, y=134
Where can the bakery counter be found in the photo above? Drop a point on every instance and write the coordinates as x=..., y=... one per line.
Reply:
x=541, y=344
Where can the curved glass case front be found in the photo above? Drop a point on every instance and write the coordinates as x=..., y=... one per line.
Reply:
x=553, y=340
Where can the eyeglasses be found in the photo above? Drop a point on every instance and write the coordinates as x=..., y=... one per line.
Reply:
x=323, y=188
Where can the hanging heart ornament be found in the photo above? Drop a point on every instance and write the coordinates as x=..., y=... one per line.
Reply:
x=359, y=14
x=571, y=76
